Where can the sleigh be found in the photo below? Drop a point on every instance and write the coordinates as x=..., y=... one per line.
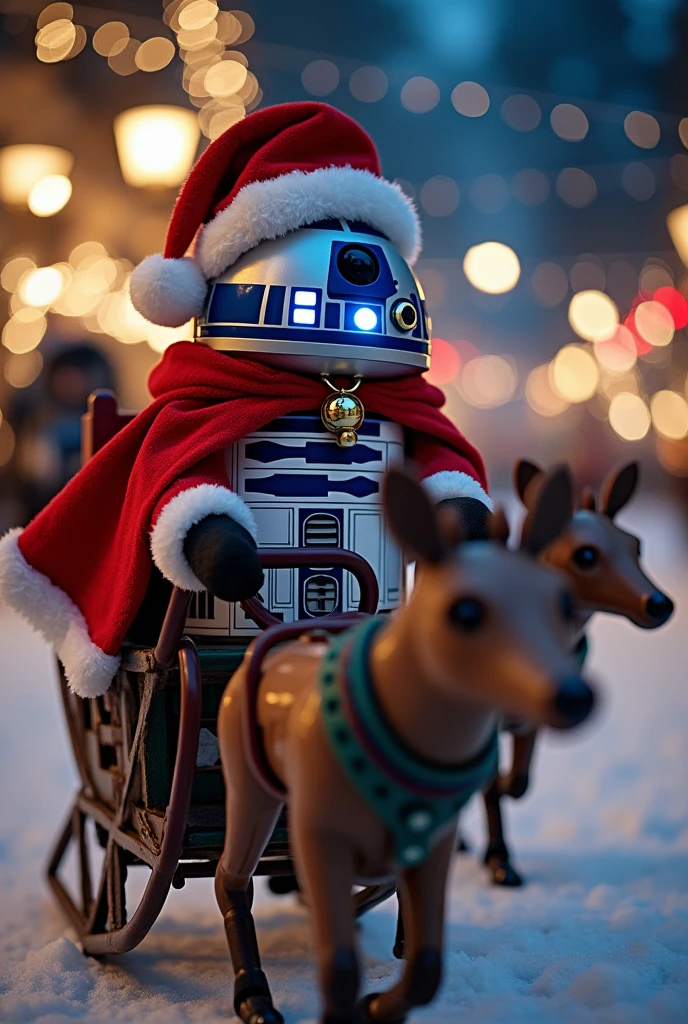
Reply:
x=151, y=792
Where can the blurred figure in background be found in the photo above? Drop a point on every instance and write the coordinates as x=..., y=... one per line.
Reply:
x=46, y=418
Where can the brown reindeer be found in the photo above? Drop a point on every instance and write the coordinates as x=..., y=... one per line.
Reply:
x=377, y=738
x=602, y=562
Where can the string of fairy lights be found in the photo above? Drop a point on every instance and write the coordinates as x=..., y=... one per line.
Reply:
x=626, y=320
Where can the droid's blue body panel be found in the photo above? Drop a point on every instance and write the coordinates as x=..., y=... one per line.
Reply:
x=306, y=491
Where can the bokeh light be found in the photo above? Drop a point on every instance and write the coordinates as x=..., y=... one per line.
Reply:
x=419, y=95
x=489, y=193
x=569, y=122
x=574, y=374
x=470, y=99
x=550, y=284
x=320, y=77
x=629, y=417
x=521, y=113
x=642, y=129
x=576, y=187
x=55, y=40
x=23, y=166
x=156, y=145
x=677, y=223
x=540, y=395
x=154, y=54
x=224, y=78
x=50, y=195
x=440, y=196
x=445, y=363
x=488, y=381
x=14, y=270
x=587, y=273
x=368, y=84
x=593, y=315
x=675, y=303
x=111, y=38
x=492, y=267
x=654, y=323
x=7, y=441
x=654, y=276
x=638, y=181
x=617, y=354
x=123, y=62
x=40, y=287
x=530, y=186
x=24, y=331
x=669, y=412
x=54, y=12
x=20, y=371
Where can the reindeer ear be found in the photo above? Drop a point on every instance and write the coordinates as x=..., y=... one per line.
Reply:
x=588, y=499
x=524, y=473
x=618, y=489
x=551, y=513
x=412, y=516
x=499, y=527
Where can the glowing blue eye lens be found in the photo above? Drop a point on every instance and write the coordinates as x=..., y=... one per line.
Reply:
x=365, y=319
x=305, y=298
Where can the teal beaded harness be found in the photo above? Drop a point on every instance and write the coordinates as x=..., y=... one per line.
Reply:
x=415, y=798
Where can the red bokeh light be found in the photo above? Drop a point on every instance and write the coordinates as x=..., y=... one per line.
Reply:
x=642, y=346
x=445, y=363
x=677, y=305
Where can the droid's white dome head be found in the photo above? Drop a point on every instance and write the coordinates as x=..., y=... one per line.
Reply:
x=290, y=202
x=333, y=297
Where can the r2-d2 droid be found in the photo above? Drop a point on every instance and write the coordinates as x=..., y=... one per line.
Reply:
x=334, y=299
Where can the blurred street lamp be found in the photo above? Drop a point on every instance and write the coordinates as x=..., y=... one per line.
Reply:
x=156, y=145
x=677, y=223
x=24, y=167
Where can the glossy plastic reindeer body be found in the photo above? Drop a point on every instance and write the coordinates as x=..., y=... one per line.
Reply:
x=377, y=737
x=602, y=562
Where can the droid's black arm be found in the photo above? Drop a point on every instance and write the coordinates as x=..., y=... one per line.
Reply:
x=474, y=515
x=224, y=557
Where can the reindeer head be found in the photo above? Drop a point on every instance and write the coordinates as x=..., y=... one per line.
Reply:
x=601, y=560
x=486, y=624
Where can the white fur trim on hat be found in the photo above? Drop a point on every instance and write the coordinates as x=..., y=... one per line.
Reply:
x=88, y=669
x=269, y=209
x=451, y=483
x=179, y=515
x=168, y=292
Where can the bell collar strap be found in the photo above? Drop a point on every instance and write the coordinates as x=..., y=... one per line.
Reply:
x=414, y=797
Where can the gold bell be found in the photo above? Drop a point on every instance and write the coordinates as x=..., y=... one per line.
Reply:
x=342, y=414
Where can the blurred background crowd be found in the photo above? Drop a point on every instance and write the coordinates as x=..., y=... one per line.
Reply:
x=546, y=146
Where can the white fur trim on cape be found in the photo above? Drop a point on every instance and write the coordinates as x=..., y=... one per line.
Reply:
x=451, y=483
x=177, y=518
x=269, y=209
x=49, y=610
x=168, y=292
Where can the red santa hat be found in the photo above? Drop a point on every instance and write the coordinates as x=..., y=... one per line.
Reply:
x=279, y=169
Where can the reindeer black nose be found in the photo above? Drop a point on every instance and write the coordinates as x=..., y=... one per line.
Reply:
x=573, y=701
x=659, y=607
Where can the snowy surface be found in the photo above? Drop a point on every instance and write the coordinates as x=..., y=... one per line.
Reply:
x=600, y=934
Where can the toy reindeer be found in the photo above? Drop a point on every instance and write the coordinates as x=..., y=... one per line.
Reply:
x=377, y=738
x=602, y=562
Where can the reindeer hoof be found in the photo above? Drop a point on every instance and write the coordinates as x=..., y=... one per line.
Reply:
x=399, y=948
x=504, y=874
x=363, y=1008
x=258, y=1009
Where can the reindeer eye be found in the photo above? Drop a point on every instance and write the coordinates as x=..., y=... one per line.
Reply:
x=467, y=613
x=586, y=557
x=566, y=606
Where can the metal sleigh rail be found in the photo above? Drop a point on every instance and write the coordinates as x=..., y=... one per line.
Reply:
x=101, y=924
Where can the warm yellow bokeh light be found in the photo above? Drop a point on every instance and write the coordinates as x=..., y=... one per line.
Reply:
x=492, y=267
x=629, y=417
x=55, y=40
x=22, y=167
x=574, y=373
x=154, y=54
x=156, y=145
x=677, y=223
x=617, y=354
x=488, y=381
x=540, y=395
x=593, y=315
x=20, y=371
x=24, y=331
x=669, y=412
x=14, y=270
x=160, y=338
x=50, y=195
x=197, y=14
x=111, y=38
x=41, y=287
x=654, y=323
x=224, y=78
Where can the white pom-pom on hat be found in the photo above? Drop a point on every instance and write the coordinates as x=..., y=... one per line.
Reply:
x=168, y=292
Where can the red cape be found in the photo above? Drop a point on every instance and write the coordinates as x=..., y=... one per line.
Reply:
x=92, y=540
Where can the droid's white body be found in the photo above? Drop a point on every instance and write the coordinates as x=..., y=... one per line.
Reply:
x=286, y=303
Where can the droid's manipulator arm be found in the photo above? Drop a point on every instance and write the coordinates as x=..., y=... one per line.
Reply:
x=204, y=535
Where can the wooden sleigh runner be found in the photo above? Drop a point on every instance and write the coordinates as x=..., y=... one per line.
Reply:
x=136, y=750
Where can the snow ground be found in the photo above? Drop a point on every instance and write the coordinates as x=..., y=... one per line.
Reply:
x=600, y=934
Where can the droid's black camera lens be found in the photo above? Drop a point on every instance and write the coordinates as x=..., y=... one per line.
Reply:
x=358, y=265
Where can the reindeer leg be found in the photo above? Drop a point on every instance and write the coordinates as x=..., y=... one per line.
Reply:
x=327, y=873
x=423, y=896
x=251, y=815
x=497, y=853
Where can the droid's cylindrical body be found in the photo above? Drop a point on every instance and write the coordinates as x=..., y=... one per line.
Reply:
x=335, y=297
